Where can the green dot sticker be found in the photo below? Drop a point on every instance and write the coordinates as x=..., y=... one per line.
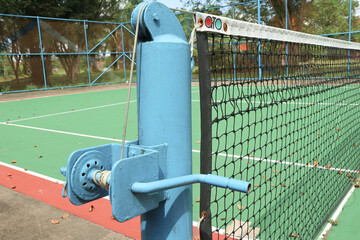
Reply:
x=218, y=24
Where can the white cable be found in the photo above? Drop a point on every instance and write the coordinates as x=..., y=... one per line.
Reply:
x=130, y=80
x=193, y=38
x=102, y=182
x=198, y=227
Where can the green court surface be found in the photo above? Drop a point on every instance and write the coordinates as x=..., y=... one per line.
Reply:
x=40, y=134
x=348, y=222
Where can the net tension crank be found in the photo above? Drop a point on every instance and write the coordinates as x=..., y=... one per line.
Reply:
x=135, y=184
x=153, y=177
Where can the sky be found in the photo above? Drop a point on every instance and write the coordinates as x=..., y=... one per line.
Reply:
x=172, y=3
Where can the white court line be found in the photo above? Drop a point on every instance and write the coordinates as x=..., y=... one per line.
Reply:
x=59, y=95
x=339, y=208
x=54, y=180
x=221, y=231
x=193, y=150
x=39, y=175
x=72, y=111
x=62, y=132
x=282, y=162
x=79, y=110
x=337, y=213
x=33, y=173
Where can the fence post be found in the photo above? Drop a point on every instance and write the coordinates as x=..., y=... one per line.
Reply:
x=123, y=51
x=87, y=52
x=41, y=51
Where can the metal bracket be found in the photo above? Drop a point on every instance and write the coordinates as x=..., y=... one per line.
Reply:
x=143, y=167
x=137, y=183
x=140, y=164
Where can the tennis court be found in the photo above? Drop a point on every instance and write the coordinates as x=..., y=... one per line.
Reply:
x=281, y=114
x=39, y=134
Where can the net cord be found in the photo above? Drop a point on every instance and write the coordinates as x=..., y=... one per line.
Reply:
x=130, y=81
x=234, y=27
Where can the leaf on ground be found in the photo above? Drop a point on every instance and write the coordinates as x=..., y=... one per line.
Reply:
x=65, y=216
x=239, y=207
x=283, y=185
x=9, y=175
x=36, y=146
x=349, y=175
x=340, y=172
x=316, y=163
x=54, y=221
x=13, y=187
x=294, y=235
x=275, y=171
x=256, y=185
x=198, y=199
x=328, y=166
x=13, y=161
x=40, y=156
x=91, y=208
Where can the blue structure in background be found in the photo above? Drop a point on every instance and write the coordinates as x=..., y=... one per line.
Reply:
x=123, y=54
x=43, y=27
x=153, y=179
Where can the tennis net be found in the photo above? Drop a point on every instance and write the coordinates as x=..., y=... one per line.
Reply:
x=280, y=109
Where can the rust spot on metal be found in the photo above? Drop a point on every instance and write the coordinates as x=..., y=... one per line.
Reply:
x=201, y=22
x=225, y=27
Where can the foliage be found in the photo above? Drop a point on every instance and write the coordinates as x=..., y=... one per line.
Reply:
x=57, y=36
x=330, y=16
x=313, y=16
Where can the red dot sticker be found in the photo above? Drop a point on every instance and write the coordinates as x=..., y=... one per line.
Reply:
x=208, y=21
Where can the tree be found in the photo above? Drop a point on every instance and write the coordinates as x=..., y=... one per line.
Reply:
x=296, y=10
x=330, y=16
x=78, y=9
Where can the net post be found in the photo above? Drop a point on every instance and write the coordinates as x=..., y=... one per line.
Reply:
x=164, y=115
x=206, y=133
